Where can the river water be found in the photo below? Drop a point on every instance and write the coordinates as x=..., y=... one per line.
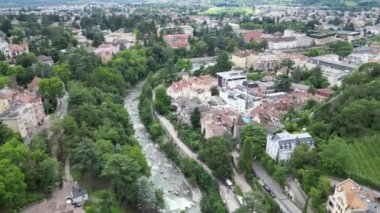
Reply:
x=178, y=194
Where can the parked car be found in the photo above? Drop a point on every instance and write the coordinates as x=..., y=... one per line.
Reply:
x=266, y=188
x=229, y=183
x=68, y=200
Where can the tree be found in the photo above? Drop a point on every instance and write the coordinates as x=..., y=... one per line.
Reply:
x=371, y=68
x=282, y=83
x=162, y=101
x=4, y=81
x=85, y=157
x=48, y=174
x=26, y=59
x=333, y=156
x=214, y=91
x=257, y=135
x=147, y=196
x=313, y=52
x=123, y=172
x=246, y=158
x=341, y=48
x=183, y=64
x=216, y=150
x=222, y=63
x=50, y=89
x=195, y=118
x=303, y=156
x=288, y=63
x=63, y=72
x=5, y=26
x=297, y=75
x=12, y=185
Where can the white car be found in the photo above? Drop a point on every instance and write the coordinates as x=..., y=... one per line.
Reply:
x=68, y=200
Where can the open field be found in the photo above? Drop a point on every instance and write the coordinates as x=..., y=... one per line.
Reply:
x=229, y=10
x=365, y=159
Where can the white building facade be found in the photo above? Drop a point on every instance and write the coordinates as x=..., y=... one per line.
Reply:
x=280, y=146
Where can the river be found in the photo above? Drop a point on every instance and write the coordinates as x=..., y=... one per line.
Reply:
x=178, y=194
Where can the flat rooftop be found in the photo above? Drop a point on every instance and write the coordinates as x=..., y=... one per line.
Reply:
x=232, y=74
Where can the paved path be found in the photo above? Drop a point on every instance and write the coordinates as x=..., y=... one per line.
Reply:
x=227, y=195
x=239, y=178
x=284, y=202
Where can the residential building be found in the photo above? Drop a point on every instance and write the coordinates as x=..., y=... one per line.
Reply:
x=277, y=43
x=242, y=58
x=48, y=60
x=350, y=197
x=13, y=50
x=323, y=38
x=348, y=35
x=252, y=36
x=22, y=113
x=231, y=79
x=193, y=87
x=218, y=122
x=126, y=40
x=188, y=30
x=257, y=61
x=177, y=41
x=264, y=61
x=238, y=100
x=280, y=146
x=106, y=51
x=185, y=108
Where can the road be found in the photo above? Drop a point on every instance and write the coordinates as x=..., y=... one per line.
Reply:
x=227, y=195
x=284, y=202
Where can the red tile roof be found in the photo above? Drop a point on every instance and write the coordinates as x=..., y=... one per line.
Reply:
x=252, y=35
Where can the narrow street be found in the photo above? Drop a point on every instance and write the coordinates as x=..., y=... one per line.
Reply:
x=227, y=195
x=281, y=199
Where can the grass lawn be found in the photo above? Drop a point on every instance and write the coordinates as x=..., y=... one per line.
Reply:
x=365, y=158
x=229, y=10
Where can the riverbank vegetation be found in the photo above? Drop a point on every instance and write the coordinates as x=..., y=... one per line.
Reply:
x=194, y=173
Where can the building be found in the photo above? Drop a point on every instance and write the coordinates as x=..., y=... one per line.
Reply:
x=277, y=43
x=13, y=50
x=218, y=122
x=323, y=38
x=280, y=146
x=185, y=108
x=350, y=197
x=23, y=113
x=242, y=58
x=188, y=30
x=193, y=87
x=177, y=41
x=348, y=35
x=236, y=99
x=126, y=40
x=334, y=69
x=48, y=60
x=231, y=79
x=106, y=52
x=252, y=36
